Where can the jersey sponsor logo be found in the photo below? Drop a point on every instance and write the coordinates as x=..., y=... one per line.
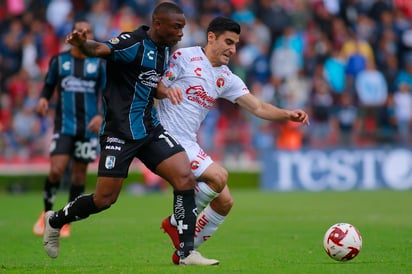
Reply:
x=198, y=95
x=180, y=214
x=197, y=71
x=194, y=165
x=196, y=59
x=220, y=82
x=115, y=140
x=125, y=36
x=176, y=54
x=111, y=147
x=226, y=72
x=74, y=84
x=149, y=78
x=201, y=223
x=150, y=55
x=201, y=154
x=110, y=162
x=114, y=41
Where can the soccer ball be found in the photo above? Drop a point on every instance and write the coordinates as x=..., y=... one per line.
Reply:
x=342, y=242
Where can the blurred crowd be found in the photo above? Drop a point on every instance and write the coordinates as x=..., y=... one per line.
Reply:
x=348, y=63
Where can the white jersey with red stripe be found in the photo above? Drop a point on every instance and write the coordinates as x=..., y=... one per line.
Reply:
x=201, y=85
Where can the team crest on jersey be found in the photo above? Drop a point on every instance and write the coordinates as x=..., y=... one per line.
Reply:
x=110, y=161
x=194, y=165
x=91, y=68
x=197, y=71
x=114, y=41
x=220, y=82
x=67, y=65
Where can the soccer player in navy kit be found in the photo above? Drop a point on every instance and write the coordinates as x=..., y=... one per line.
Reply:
x=135, y=62
x=78, y=81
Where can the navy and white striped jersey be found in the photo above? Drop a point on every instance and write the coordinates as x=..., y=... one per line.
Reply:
x=133, y=70
x=79, y=84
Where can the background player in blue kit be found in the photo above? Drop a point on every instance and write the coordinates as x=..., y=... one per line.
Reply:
x=78, y=81
x=135, y=62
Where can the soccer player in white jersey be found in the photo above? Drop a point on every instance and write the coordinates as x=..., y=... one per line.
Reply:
x=195, y=79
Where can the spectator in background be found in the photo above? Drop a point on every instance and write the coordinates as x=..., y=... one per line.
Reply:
x=99, y=17
x=6, y=127
x=403, y=112
x=11, y=49
x=404, y=75
x=290, y=136
x=334, y=69
x=372, y=93
x=234, y=136
x=26, y=129
x=57, y=14
x=356, y=53
x=18, y=87
x=345, y=120
x=30, y=56
x=339, y=33
x=287, y=54
x=274, y=15
x=390, y=71
x=320, y=109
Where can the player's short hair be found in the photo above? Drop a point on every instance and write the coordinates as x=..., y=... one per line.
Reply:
x=166, y=7
x=79, y=20
x=221, y=24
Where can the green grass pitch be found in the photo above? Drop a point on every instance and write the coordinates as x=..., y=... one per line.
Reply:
x=265, y=233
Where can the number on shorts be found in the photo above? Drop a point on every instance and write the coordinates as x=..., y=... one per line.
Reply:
x=168, y=139
x=84, y=150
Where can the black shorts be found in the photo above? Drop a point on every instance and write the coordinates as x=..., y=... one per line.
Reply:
x=80, y=148
x=117, y=154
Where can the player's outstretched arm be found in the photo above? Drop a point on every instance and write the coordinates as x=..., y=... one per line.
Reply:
x=88, y=47
x=270, y=112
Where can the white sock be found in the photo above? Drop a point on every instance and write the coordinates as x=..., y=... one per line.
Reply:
x=203, y=195
x=173, y=220
x=207, y=223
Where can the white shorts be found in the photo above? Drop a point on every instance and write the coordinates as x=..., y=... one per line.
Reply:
x=199, y=160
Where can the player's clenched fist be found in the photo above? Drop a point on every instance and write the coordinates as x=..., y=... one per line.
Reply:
x=77, y=38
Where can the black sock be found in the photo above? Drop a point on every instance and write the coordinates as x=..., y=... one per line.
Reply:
x=75, y=191
x=49, y=193
x=185, y=215
x=79, y=209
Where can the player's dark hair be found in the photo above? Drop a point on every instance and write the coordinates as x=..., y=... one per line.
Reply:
x=221, y=24
x=79, y=20
x=166, y=7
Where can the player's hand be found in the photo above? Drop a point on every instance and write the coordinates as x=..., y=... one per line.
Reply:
x=299, y=116
x=95, y=124
x=77, y=38
x=42, y=106
x=175, y=95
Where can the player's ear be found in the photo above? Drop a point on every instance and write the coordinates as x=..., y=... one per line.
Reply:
x=211, y=36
